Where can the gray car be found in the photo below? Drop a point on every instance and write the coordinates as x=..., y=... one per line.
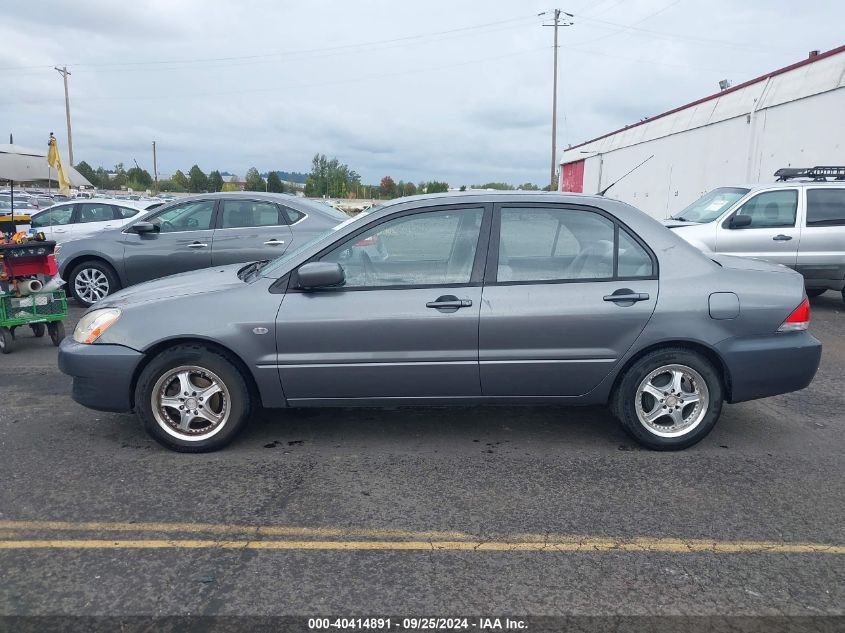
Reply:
x=523, y=298
x=187, y=234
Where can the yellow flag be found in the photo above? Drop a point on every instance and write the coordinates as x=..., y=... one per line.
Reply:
x=55, y=161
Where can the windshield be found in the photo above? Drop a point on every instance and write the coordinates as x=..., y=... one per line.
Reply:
x=274, y=265
x=711, y=205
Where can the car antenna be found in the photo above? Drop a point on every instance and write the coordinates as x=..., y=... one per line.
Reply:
x=605, y=190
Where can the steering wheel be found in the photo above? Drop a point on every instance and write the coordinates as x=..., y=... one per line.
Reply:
x=192, y=223
x=166, y=226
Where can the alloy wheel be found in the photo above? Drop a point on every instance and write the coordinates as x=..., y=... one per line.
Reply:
x=91, y=285
x=672, y=400
x=190, y=403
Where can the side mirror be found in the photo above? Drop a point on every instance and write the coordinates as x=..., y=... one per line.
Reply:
x=320, y=275
x=740, y=221
x=143, y=227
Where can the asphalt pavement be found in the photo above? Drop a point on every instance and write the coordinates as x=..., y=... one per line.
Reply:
x=423, y=511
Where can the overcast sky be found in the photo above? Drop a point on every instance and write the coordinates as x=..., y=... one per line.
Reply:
x=443, y=89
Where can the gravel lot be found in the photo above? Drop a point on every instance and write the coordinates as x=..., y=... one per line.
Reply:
x=771, y=471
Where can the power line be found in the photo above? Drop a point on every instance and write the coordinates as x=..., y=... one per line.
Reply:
x=675, y=36
x=340, y=48
x=287, y=87
x=640, y=21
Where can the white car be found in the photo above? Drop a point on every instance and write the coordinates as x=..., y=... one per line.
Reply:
x=81, y=218
x=798, y=221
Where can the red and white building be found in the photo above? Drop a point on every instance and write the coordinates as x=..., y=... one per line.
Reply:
x=792, y=116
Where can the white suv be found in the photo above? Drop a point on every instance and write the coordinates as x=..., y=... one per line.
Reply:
x=798, y=221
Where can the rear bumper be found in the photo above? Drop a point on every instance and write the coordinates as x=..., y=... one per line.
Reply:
x=763, y=366
x=102, y=374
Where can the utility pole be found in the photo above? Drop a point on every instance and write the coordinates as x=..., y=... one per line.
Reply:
x=64, y=72
x=155, y=168
x=557, y=22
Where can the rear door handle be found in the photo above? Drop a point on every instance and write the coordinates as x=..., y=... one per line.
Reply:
x=197, y=245
x=627, y=297
x=782, y=238
x=274, y=242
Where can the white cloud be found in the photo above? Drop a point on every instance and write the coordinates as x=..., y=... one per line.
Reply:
x=467, y=105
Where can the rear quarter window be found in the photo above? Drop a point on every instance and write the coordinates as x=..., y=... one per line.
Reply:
x=826, y=207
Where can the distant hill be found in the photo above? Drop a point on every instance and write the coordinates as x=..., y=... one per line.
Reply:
x=289, y=176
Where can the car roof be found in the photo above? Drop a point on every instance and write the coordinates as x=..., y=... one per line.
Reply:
x=785, y=184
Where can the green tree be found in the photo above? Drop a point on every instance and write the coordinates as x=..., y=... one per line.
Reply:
x=139, y=177
x=410, y=189
x=88, y=172
x=215, y=181
x=274, y=183
x=435, y=186
x=254, y=181
x=179, y=181
x=387, y=187
x=197, y=180
x=499, y=186
x=120, y=179
x=330, y=178
x=463, y=188
x=528, y=186
x=103, y=181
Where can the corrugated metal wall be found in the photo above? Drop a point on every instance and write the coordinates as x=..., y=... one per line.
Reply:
x=743, y=136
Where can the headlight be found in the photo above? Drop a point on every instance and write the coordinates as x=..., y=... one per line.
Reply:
x=93, y=324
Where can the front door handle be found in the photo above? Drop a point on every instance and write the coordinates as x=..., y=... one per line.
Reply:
x=274, y=242
x=626, y=296
x=449, y=303
x=782, y=238
x=197, y=245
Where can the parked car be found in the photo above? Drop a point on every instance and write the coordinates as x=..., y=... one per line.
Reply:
x=82, y=218
x=797, y=224
x=522, y=298
x=187, y=234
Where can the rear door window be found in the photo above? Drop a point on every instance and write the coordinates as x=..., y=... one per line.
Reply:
x=826, y=207
x=238, y=214
x=95, y=212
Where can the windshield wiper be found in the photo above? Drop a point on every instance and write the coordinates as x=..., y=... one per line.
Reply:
x=247, y=272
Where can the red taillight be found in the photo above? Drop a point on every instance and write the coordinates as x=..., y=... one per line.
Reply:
x=799, y=320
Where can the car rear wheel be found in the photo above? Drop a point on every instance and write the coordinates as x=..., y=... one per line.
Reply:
x=669, y=399
x=91, y=281
x=192, y=399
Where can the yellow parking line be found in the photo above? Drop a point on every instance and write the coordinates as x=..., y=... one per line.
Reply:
x=588, y=545
x=326, y=538
x=245, y=530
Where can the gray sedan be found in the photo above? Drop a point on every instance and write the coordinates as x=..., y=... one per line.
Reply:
x=463, y=299
x=191, y=233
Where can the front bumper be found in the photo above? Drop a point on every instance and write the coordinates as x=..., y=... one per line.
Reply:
x=763, y=366
x=102, y=374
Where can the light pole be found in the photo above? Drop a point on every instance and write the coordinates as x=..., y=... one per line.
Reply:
x=64, y=72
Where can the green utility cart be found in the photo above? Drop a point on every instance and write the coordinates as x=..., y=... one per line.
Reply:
x=43, y=312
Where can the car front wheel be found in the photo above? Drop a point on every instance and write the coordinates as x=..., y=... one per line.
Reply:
x=91, y=281
x=192, y=399
x=669, y=399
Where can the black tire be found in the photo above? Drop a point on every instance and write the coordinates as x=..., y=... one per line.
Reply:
x=815, y=292
x=624, y=400
x=7, y=341
x=215, y=364
x=93, y=266
x=38, y=329
x=57, y=332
